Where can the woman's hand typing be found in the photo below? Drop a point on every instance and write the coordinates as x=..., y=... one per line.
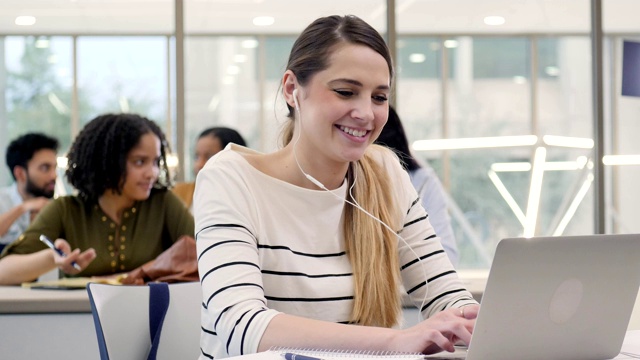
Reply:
x=440, y=332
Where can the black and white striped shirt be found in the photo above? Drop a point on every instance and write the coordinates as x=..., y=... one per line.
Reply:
x=266, y=246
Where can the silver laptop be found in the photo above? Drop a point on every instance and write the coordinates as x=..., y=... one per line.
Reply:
x=557, y=298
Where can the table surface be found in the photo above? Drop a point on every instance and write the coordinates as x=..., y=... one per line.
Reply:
x=19, y=300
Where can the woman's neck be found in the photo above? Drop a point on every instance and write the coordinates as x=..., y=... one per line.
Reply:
x=284, y=165
x=114, y=204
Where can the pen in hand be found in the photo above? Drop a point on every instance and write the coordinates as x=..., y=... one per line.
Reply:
x=48, y=242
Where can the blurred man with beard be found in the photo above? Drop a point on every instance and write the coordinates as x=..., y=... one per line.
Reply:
x=32, y=160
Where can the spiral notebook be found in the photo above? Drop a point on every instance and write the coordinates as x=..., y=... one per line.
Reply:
x=283, y=353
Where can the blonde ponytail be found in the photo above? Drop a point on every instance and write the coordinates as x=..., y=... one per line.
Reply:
x=371, y=247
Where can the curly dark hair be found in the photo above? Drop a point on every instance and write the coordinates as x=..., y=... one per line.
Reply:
x=98, y=155
x=22, y=149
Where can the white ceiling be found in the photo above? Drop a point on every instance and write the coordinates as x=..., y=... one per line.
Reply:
x=235, y=16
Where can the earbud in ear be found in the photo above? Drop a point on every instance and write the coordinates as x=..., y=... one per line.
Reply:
x=295, y=98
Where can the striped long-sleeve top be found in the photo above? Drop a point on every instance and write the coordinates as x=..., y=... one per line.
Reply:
x=266, y=246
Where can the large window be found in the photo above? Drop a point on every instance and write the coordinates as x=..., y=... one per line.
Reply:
x=114, y=74
x=475, y=87
x=37, y=80
x=564, y=108
x=418, y=72
x=222, y=81
x=457, y=77
x=123, y=74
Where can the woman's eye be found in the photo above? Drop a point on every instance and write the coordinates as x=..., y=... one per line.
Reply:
x=345, y=93
x=380, y=98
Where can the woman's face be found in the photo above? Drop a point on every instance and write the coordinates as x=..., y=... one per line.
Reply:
x=206, y=147
x=142, y=168
x=344, y=107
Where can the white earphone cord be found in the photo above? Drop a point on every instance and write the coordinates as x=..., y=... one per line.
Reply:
x=355, y=203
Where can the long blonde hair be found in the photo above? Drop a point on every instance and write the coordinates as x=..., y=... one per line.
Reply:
x=373, y=248
x=370, y=246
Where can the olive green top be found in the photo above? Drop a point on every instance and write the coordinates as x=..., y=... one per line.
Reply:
x=147, y=229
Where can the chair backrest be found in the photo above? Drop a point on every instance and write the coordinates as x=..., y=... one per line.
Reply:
x=121, y=317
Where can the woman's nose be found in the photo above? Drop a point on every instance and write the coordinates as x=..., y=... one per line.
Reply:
x=153, y=171
x=363, y=110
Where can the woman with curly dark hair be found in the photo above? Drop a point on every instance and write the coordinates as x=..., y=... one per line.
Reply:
x=123, y=215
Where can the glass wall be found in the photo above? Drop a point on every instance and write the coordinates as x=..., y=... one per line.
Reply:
x=37, y=79
x=498, y=86
x=418, y=73
x=111, y=74
x=123, y=74
x=222, y=88
x=235, y=59
x=457, y=77
x=564, y=108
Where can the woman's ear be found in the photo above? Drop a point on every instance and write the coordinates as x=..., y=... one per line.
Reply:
x=289, y=85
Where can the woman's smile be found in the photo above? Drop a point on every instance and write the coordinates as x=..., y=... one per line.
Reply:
x=357, y=135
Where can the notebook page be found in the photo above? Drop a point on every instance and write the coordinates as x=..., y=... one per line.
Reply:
x=279, y=354
x=315, y=354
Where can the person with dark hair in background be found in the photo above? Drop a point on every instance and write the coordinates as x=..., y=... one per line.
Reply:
x=209, y=143
x=425, y=180
x=307, y=246
x=123, y=215
x=32, y=161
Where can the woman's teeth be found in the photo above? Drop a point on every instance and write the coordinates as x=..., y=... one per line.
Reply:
x=353, y=132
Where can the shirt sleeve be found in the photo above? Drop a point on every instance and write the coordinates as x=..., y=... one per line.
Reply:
x=48, y=222
x=13, y=231
x=434, y=201
x=420, y=252
x=228, y=261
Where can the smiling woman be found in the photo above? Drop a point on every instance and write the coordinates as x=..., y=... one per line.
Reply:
x=298, y=246
x=123, y=215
